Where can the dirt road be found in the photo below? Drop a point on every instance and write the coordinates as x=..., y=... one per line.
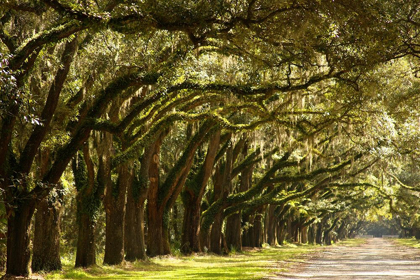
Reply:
x=377, y=259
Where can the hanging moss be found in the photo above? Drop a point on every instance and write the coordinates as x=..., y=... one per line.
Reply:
x=52, y=35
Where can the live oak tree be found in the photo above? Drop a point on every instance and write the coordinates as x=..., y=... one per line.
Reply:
x=281, y=60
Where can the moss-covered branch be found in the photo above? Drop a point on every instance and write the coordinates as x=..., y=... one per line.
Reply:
x=52, y=35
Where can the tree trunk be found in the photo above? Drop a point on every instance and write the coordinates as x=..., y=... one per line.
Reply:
x=115, y=201
x=216, y=235
x=245, y=183
x=281, y=232
x=247, y=235
x=154, y=211
x=192, y=197
x=319, y=232
x=233, y=232
x=175, y=222
x=327, y=232
x=137, y=194
x=18, y=237
x=88, y=199
x=258, y=229
x=204, y=236
x=304, y=234
x=162, y=198
x=190, y=235
x=86, y=251
x=46, y=244
x=165, y=232
x=114, y=242
x=311, y=234
x=271, y=222
x=155, y=232
x=134, y=229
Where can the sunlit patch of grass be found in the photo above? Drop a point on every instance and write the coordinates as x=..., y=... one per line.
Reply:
x=252, y=263
x=249, y=264
x=410, y=242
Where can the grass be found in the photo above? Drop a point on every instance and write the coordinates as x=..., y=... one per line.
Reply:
x=249, y=264
x=410, y=242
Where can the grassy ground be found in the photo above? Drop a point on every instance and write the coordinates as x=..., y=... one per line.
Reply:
x=410, y=242
x=251, y=264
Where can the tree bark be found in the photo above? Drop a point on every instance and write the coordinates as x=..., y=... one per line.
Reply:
x=247, y=235
x=89, y=192
x=233, y=232
x=319, y=232
x=137, y=194
x=86, y=251
x=154, y=211
x=192, y=197
x=115, y=202
x=46, y=244
x=271, y=225
x=216, y=234
x=162, y=198
x=281, y=231
x=222, y=183
x=134, y=229
x=18, y=237
x=304, y=234
x=258, y=229
x=311, y=234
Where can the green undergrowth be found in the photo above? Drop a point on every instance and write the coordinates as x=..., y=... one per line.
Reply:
x=249, y=264
x=410, y=242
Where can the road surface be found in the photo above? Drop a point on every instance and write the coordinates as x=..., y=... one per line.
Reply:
x=377, y=259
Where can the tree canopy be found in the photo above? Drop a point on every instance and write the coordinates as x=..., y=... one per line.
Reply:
x=226, y=117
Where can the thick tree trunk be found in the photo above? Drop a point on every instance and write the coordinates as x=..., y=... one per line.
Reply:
x=296, y=231
x=281, y=232
x=135, y=247
x=304, y=234
x=258, y=229
x=89, y=192
x=18, y=238
x=115, y=202
x=155, y=232
x=192, y=197
x=86, y=249
x=204, y=236
x=134, y=230
x=271, y=225
x=311, y=234
x=114, y=242
x=162, y=198
x=154, y=211
x=233, y=232
x=46, y=244
x=342, y=230
x=319, y=232
x=247, y=235
x=190, y=235
x=327, y=232
x=222, y=185
x=216, y=235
